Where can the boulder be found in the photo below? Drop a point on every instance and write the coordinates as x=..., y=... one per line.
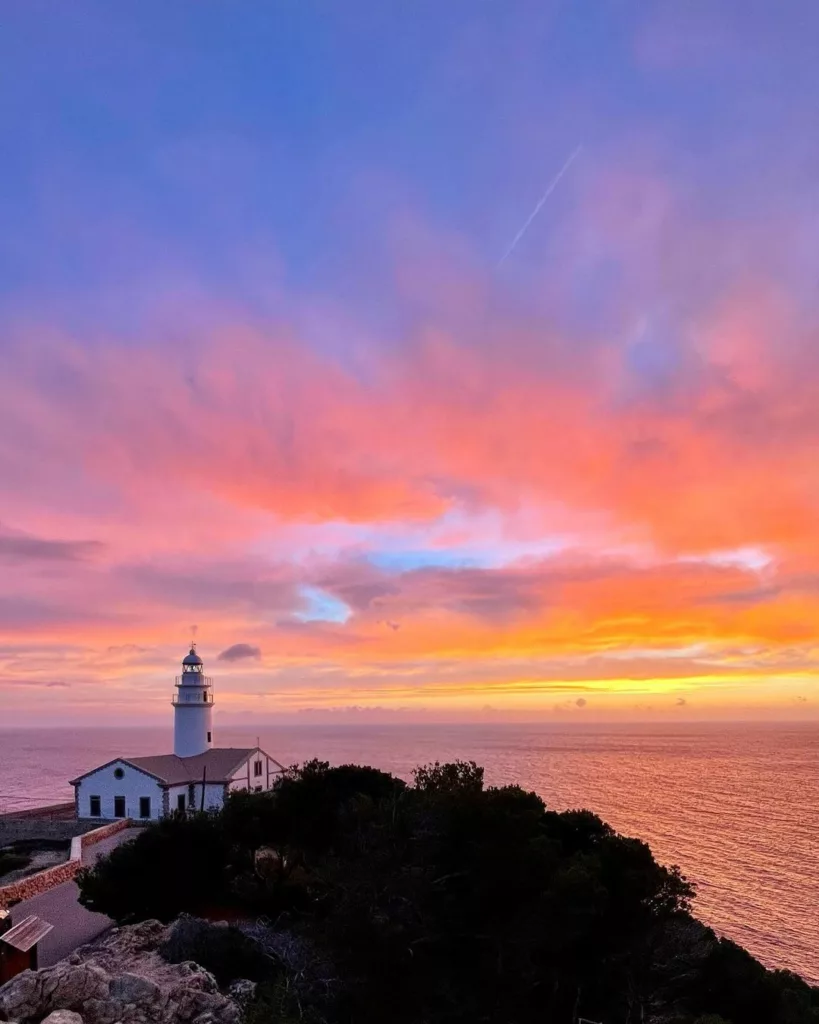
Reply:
x=62, y=987
x=121, y=979
x=63, y=1017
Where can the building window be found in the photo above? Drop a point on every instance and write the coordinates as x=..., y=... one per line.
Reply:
x=209, y=738
x=257, y=789
x=119, y=806
x=95, y=809
x=119, y=773
x=257, y=768
x=180, y=802
x=144, y=807
x=192, y=795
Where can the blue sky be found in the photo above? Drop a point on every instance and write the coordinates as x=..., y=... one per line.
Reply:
x=219, y=140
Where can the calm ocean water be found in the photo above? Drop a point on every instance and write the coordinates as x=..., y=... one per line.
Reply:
x=734, y=806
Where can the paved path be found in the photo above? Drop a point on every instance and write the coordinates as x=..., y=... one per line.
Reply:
x=73, y=924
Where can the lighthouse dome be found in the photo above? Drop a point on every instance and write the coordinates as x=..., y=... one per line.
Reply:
x=192, y=658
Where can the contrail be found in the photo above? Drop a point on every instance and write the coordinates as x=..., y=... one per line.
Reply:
x=552, y=186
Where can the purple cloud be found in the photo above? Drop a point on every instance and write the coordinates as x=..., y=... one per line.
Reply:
x=21, y=547
x=240, y=652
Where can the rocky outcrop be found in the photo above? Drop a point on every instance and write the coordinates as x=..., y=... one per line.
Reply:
x=121, y=978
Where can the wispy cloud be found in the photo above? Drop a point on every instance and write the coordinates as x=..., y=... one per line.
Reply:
x=21, y=547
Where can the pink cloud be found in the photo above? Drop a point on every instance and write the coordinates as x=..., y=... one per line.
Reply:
x=152, y=482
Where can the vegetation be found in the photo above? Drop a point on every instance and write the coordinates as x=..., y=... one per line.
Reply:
x=443, y=902
x=11, y=861
x=223, y=950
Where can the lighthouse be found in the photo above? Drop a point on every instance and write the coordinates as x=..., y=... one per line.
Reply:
x=192, y=708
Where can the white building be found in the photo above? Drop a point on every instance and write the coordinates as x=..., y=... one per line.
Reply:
x=195, y=776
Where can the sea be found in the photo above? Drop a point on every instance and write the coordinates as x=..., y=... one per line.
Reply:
x=735, y=806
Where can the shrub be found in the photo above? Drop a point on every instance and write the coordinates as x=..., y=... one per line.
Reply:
x=173, y=866
x=223, y=950
x=13, y=862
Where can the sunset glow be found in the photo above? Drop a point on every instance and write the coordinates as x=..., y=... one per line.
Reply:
x=261, y=372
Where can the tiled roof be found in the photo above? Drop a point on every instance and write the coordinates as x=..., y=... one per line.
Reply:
x=27, y=933
x=217, y=764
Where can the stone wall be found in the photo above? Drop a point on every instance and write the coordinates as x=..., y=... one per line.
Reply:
x=27, y=825
x=41, y=882
x=51, y=877
x=12, y=829
x=98, y=834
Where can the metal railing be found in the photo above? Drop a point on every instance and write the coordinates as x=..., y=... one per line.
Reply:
x=206, y=698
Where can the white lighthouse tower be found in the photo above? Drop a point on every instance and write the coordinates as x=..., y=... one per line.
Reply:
x=193, y=708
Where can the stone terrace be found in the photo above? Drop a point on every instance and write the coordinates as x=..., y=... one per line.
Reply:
x=57, y=821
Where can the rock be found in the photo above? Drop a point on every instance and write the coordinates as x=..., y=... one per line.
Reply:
x=18, y=994
x=101, y=1011
x=76, y=983
x=62, y=987
x=131, y=988
x=196, y=978
x=63, y=1017
x=120, y=979
x=242, y=990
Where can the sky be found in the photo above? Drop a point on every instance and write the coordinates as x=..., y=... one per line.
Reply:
x=279, y=371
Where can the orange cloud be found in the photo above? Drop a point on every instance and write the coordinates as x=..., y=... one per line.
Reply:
x=246, y=477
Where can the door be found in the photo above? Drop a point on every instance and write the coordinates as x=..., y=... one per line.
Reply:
x=119, y=806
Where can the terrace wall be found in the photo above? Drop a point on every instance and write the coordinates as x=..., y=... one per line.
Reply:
x=25, y=888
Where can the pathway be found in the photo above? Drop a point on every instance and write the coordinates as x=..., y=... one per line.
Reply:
x=73, y=924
